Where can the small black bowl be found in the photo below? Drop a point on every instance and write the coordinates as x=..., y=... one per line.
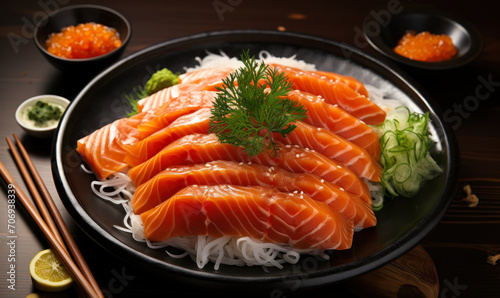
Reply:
x=384, y=35
x=74, y=15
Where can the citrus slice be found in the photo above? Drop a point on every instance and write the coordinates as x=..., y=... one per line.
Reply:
x=48, y=274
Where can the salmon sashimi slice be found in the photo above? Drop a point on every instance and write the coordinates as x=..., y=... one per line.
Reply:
x=201, y=76
x=202, y=148
x=104, y=149
x=334, y=147
x=185, y=103
x=196, y=122
x=333, y=118
x=161, y=97
x=257, y=212
x=350, y=81
x=162, y=186
x=335, y=93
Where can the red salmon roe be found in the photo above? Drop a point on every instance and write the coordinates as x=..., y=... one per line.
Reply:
x=83, y=41
x=426, y=47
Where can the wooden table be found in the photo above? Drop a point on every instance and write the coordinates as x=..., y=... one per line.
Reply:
x=459, y=245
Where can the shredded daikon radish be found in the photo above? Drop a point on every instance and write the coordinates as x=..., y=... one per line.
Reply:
x=212, y=60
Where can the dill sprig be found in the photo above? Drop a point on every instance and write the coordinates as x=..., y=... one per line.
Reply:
x=133, y=98
x=252, y=105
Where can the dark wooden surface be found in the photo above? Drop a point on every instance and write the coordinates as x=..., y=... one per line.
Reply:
x=460, y=244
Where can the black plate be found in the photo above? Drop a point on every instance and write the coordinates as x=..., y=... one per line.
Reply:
x=402, y=222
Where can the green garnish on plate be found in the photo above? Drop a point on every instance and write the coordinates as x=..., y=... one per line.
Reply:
x=405, y=157
x=252, y=105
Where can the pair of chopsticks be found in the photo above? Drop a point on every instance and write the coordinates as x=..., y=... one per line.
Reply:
x=50, y=221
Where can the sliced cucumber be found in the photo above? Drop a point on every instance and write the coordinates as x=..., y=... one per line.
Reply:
x=405, y=158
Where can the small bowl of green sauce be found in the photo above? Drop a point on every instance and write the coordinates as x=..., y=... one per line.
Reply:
x=40, y=115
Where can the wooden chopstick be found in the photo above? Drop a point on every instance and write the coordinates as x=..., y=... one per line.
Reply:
x=73, y=248
x=58, y=248
x=34, y=192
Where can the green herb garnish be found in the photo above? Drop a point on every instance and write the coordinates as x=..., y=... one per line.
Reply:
x=252, y=105
x=133, y=98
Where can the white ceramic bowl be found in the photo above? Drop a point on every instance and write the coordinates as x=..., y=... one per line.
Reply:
x=39, y=132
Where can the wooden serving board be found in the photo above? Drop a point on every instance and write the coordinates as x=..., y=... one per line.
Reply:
x=412, y=275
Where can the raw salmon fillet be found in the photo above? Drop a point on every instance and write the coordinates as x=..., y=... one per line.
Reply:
x=185, y=103
x=205, y=75
x=162, y=186
x=196, y=122
x=333, y=118
x=334, y=147
x=161, y=97
x=104, y=149
x=335, y=93
x=214, y=74
x=258, y=212
x=350, y=81
x=202, y=148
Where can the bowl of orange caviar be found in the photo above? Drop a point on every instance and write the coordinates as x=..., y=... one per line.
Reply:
x=423, y=39
x=82, y=38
